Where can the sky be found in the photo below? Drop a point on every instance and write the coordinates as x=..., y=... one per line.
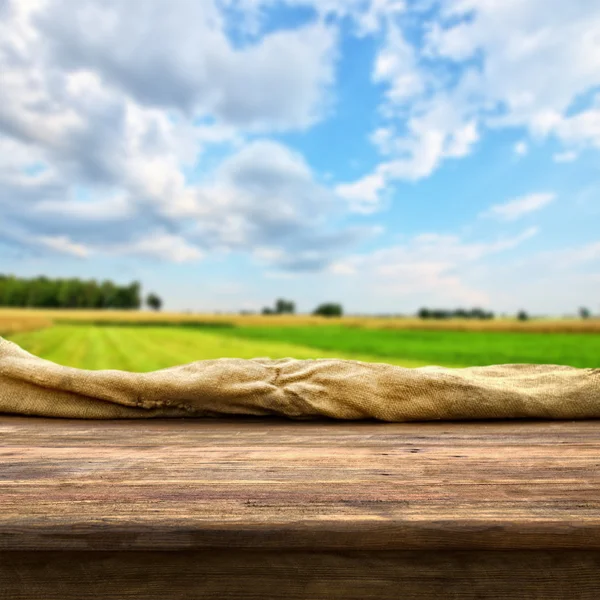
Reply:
x=385, y=154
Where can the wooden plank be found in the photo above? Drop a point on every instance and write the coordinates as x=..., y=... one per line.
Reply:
x=301, y=575
x=267, y=484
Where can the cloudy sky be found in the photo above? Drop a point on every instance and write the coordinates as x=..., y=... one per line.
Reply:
x=387, y=154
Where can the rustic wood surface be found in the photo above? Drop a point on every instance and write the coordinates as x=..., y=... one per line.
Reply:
x=301, y=575
x=265, y=484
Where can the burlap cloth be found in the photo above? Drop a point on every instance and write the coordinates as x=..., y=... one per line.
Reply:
x=299, y=389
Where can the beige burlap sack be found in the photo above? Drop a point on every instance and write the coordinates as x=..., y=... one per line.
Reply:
x=299, y=389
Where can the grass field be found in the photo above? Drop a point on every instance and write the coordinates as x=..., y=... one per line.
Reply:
x=452, y=348
x=143, y=348
x=148, y=348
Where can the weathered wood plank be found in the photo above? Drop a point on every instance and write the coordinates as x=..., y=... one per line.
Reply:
x=301, y=575
x=267, y=483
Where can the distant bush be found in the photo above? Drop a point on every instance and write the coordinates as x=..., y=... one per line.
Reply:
x=459, y=313
x=522, y=316
x=282, y=307
x=329, y=309
x=584, y=312
x=154, y=302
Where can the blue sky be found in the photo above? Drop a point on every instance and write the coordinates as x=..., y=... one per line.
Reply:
x=386, y=154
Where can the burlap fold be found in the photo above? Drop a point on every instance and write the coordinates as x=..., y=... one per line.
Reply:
x=299, y=389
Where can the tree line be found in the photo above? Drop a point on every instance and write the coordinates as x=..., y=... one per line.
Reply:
x=287, y=307
x=331, y=309
x=43, y=292
x=479, y=313
x=459, y=313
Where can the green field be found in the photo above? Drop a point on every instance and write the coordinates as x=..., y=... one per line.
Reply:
x=452, y=348
x=146, y=348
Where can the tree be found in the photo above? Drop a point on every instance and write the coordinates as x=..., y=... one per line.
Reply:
x=135, y=297
x=584, y=312
x=41, y=292
x=67, y=293
x=329, y=309
x=522, y=315
x=107, y=294
x=284, y=307
x=479, y=313
x=458, y=313
x=153, y=301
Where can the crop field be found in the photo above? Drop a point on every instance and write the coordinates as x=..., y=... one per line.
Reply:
x=165, y=318
x=145, y=341
x=22, y=322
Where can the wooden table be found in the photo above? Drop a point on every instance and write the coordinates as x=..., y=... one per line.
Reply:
x=264, y=508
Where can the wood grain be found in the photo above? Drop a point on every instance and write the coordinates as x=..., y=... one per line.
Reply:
x=271, y=484
x=301, y=575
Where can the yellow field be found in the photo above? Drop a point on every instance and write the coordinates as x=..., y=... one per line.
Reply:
x=11, y=323
x=18, y=319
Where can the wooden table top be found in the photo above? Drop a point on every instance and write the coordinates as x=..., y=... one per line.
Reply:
x=268, y=483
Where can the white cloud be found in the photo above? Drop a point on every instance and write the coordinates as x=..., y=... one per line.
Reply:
x=448, y=271
x=411, y=157
x=519, y=207
x=266, y=196
x=537, y=55
x=462, y=140
x=124, y=127
x=367, y=15
x=164, y=247
x=565, y=157
x=363, y=195
x=428, y=269
x=569, y=257
x=188, y=62
x=396, y=66
x=456, y=43
x=383, y=139
x=485, y=65
x=122, y=102
x=263, y=195
x=521, y=148
x=63, y=245
x=580, y=130
x=530, y=281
